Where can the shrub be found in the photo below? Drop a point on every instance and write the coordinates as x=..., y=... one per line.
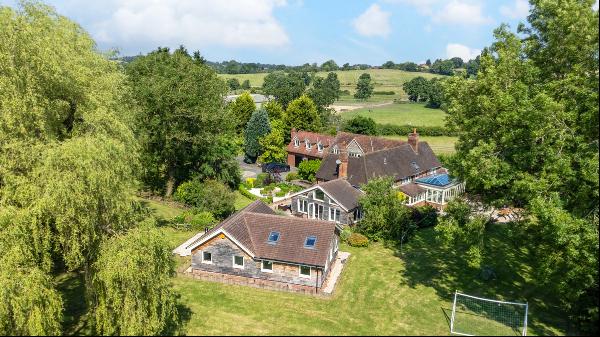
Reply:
x=261, y=178
x=202, y=220
x=292, y=176
x=250, y=182
x=361, y=125
x=358, y=240
x=384, y=92
x=245, y=193
x=425, y=216
x=345, y=234
x=404, y=130
x=211, y=196
x=308, y=169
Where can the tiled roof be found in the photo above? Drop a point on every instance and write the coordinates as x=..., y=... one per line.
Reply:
x=343, y=192
x=399, y=162
x=251, y=227
x=314, y=139
x=411, y=189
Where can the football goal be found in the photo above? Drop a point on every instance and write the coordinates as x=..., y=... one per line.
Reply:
x=481, y=316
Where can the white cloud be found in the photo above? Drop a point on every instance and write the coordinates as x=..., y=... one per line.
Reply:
x=373, y=22
x=462, y=51
x=461, y=12
x=231, y=23
x=519, y=10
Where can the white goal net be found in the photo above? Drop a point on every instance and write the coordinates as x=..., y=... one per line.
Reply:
x=473, y=316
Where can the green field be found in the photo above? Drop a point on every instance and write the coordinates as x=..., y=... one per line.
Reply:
x=381, y=291
x=401, y=114
x=383, y=80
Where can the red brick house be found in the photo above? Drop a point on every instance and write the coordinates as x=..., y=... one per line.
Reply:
x=305, y=145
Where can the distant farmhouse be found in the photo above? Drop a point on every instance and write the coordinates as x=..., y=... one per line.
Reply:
x=257, y=247
x=258, y=99
x=353, y=160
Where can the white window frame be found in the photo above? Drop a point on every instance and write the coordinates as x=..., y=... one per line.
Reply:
x=315, y=195
x=308, y=144
x=303, y=202
x=320, y=147
x=237, y=265
x=207, y=261
x=262, y=265
x=334, y=211
x=296, y=142
x=304, y=275
x=336, y=150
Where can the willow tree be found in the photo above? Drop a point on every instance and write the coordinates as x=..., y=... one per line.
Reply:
x=67, y=161
x=119, y=282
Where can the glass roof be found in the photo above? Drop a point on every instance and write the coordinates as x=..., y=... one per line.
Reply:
x=436, y=180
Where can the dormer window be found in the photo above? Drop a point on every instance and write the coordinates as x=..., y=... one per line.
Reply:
x=307, y=142
x=415, y=166
x=296, y=142
x=320, y=147
x=336, y=150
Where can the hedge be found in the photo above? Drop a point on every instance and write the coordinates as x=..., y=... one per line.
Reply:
x=384, y=92
x=404, y=130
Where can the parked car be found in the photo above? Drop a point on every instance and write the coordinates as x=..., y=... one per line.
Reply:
x=275, y=167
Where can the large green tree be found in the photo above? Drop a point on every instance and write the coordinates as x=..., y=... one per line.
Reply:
x=325, y=91
x=180, y=122
x=273, y=144
x=302, y=114
x=257, y=127
x=284, y=87
x=364, y=87
x=385, y=216
x=416, y=89
x=242, y=109
x=528, y=128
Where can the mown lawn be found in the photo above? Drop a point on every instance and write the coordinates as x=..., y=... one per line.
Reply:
x=401, y=114
x=382, y=79
x=381, y=292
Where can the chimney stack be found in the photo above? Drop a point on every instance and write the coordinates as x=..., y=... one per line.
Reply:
x=413, y=140
x=343, y=167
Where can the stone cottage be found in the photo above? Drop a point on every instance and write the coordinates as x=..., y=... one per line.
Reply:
x=257, y=247
x=335, y=201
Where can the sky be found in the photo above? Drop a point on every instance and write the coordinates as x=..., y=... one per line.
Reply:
x=295, y=32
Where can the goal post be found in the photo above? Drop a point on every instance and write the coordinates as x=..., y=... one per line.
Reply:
x=473, y=315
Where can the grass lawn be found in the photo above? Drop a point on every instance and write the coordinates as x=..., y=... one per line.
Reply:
x=379, y=293
x=382, y=79
x=401, y=114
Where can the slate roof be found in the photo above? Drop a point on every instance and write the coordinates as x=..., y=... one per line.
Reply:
x=252, y=225
x=342, y=191
x=395, y=162
x=412, y=189
x=367, y=143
